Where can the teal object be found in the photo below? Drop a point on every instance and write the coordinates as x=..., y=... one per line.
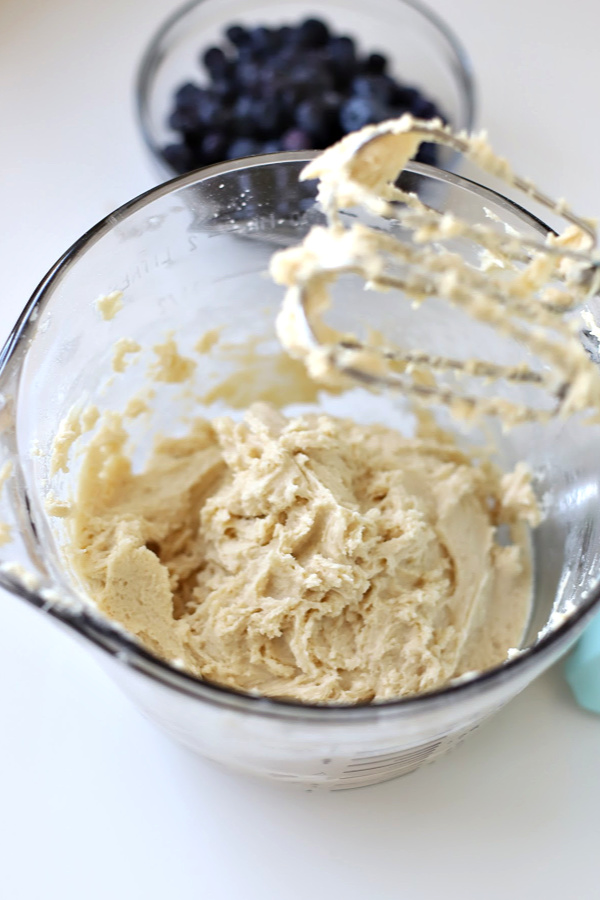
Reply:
x=583, y=668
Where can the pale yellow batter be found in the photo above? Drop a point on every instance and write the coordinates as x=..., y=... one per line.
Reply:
x=311, y=558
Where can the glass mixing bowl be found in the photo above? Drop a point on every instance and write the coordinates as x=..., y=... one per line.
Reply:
x=190, y=256
x=421, y=48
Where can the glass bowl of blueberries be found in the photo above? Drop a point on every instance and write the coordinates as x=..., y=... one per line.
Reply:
x=225, y=79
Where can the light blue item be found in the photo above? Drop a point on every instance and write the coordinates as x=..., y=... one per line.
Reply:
x=583, y=668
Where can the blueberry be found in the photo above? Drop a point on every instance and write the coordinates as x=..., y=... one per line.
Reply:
x=248, y=74
x=178, y=156
x=270, y=147
x=273, y=78
x=288, y=56
x=319, y=117
x=309, y=115
x=242, y=146
x=427, y=154
x=380, y=87
x=207, y=109
x=285, y=36
x=224, y=89
x=263, y=40
x=215, y=61
x=343, y=48
x=360, y=111
x=277, y=40
x=342, y=71
x=273, y=90
x=270, y=117
x=296, y=139
x=237, y=35
x=424, y=109
x=312, y=78
x=290, y=96
x=361, y=86
x=184, y=119
x=294, y=93
x=246, y=53
x=213, y=146
x=403, y=96
x=375, y=64
x=193, y=141
x=188, y=95
x=287, y=87
x=214, y=115
x=245, y=122
x=313, y=33
x=243, y=106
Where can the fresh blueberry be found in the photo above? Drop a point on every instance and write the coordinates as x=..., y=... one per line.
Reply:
x=215, y=62
x=225, y=90
x=243, y=106
x=277, y=38
x=313, y=33
x=245, y=121
x=296, y=139
x=274, y=81
x=342, y=71
x=197, y=159
x=343, y=48
x=309, y=115
x=360, y=111
x=185, y=119
x=188, y=95
x=270, y=147
x=207, y=109
x=242, y=146
x=424, y=109
x=264, y=40
x=379, y=87
x=214, y=115
x=375, y=64
x=270, y=117
x=319, y=117
x=288, y=56
x=237, y=35
x=213, y=146
x=405, y=97
x=313, y=78
x=427, y=154
x=285, y=35
x=246, y=53
x=248, y=74
x=178, y=156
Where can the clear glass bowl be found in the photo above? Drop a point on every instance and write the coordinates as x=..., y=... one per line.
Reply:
x=189, y=256
x=421, y=47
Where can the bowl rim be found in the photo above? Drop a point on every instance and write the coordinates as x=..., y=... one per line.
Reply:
x=152, y=55
x=113, y=639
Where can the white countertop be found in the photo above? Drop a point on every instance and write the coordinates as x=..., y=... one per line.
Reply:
x=94, y=802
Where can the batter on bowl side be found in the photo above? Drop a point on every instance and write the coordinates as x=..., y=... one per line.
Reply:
x=311, y=558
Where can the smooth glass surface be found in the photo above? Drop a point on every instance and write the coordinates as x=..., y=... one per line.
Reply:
x=191, y=256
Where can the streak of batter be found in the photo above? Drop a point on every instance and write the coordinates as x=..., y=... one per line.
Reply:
x=310, y=558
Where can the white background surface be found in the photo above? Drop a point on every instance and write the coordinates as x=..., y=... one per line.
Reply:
x=94, y=803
